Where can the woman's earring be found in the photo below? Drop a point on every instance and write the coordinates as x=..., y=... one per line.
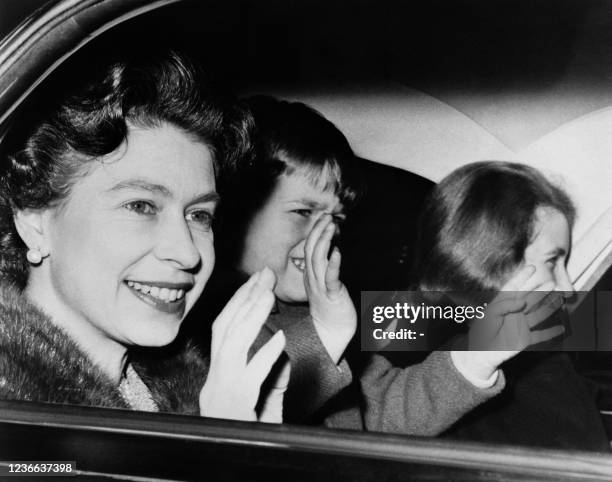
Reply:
x=34, y=256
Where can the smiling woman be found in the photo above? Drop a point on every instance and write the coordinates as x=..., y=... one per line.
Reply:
x=106, y=242
x=152, y=238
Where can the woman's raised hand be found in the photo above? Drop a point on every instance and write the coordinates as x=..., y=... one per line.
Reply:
x=233, y=384
x=508, y=326
x=331, y=307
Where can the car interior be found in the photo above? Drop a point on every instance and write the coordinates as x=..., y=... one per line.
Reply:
x=418, y=88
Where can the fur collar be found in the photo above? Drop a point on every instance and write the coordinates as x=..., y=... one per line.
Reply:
x=39, y=362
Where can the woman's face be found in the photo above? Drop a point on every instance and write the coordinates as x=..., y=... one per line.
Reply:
x=277, y=233
x=131, y=248
x=549, y=249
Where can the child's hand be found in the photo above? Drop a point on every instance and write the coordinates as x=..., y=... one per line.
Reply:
x=331, y=308
x=522, y=304
x=233, y=385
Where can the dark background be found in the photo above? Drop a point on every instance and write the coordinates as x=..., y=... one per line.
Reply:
x=462, y=44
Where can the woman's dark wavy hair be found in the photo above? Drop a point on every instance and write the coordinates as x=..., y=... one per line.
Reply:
x=289, y=137
x=53, y=142
x=477, y=223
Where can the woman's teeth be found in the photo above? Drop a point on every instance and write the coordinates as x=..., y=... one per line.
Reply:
x=299, y=263
x=163, y=294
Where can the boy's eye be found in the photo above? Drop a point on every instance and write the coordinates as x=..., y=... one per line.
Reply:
x=202, y=217
x=305, y=213
x=141, y=207
x=338, y=219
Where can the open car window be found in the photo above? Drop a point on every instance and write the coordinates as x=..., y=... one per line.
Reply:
x=418, y=89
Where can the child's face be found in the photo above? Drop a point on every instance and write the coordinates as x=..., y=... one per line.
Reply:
x=276, y=236
x=549, y=249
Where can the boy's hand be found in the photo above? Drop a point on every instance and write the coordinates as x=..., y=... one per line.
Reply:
x=331, y=308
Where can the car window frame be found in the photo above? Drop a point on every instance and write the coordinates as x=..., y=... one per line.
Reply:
x=66, y=26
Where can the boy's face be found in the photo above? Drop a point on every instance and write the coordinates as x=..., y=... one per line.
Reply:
x=276, y=236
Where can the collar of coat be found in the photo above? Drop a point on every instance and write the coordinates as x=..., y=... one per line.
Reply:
x=40, y=362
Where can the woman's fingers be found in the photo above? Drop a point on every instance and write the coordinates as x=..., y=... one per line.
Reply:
x=236, y=301
x=272, y=405
x=232, y=386
x=228, y=314
x=332, y=274
x=246, y=315
x=249, y=320
x=260, y=365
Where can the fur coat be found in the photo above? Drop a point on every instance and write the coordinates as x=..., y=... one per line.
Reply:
x=39, y=362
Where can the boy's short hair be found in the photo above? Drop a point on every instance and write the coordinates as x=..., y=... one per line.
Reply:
x=290, y=138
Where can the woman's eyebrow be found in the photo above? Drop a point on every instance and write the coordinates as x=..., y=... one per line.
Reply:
x=160, y=189
x=209, y=197
x=141, y=184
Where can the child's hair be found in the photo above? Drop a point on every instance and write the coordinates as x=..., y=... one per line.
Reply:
x=478, y=222
x=290, y=138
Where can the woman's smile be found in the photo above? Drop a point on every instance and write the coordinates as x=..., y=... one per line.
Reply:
x=166, y=297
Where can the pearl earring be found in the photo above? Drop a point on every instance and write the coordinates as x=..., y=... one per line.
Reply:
x=34, y=256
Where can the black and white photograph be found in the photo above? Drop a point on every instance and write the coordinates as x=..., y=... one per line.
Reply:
x=340, y=240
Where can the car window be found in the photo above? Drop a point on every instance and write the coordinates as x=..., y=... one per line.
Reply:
x=418, y=89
